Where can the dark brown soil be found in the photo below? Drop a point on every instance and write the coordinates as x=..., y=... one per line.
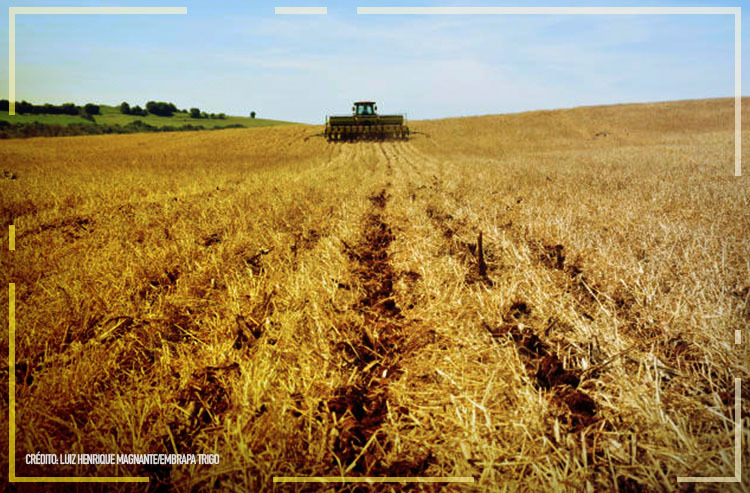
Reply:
x=548, y=372
x=374, y=350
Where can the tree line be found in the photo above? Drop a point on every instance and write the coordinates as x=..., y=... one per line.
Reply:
x=158, y=108
x=162, y=108
x=24, y=107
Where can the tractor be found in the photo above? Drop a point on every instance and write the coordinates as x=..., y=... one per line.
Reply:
x=365, y=124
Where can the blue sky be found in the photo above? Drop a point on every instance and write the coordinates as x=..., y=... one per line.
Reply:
x=234, y=57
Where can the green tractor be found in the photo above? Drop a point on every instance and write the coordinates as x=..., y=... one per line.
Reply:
x=366, y=124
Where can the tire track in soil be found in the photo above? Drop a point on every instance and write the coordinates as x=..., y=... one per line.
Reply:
x=373, y=352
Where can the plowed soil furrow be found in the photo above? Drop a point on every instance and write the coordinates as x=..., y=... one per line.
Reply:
x=373, y=351
x=361, y=406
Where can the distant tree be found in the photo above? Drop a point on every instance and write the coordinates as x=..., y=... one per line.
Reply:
x=160, y=108
x=252, y=114
x=212, y=116
x=4, y=105
x=91, y=109
x=204, y=114
x=70, y=109
x=138, y=111
x=125, y=108
x=23, y=107
x=195, y=113
x=222, y=116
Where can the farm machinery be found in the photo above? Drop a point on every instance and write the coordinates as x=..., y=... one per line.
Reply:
x=366, y=124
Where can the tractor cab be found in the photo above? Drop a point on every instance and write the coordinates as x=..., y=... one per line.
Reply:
x=364, y=108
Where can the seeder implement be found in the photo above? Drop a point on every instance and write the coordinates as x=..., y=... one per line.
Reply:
x=365, y=124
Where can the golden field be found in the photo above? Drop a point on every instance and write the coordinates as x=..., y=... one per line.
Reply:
x=543, y=301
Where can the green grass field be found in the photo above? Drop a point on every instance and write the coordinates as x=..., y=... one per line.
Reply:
x=110, y=115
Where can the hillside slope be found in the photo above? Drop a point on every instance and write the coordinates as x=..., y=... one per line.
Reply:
x=110, y=118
